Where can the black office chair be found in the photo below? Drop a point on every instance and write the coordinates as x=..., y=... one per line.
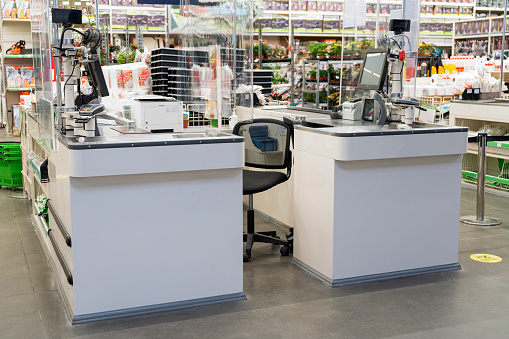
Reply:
x=267, y=146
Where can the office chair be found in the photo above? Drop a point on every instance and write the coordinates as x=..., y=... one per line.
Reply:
x=267, y=146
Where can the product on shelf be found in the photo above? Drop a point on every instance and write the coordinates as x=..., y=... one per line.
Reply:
x=330, y=24
x=16, y=9
x=27, y=77
x=314, y=23
x=155, y=22
x=118, y=20
x=13, y=76
x=135, y=19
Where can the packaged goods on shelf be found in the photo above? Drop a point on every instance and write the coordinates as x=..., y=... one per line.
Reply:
x=155, y=22
x=27, y=76
x=16, y=9
x=118, y=20
x=314, y=23
x=330, y=24
x=138, y=18
x=13, y=76
x=441, y=88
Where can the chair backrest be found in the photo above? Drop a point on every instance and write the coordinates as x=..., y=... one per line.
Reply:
x=267, y=143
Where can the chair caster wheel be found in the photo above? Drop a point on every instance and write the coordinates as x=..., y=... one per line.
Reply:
x=246, y=258
x=285, y=251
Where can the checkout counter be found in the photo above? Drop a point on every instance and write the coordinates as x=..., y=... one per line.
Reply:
x=371, y=202
x=136, y=224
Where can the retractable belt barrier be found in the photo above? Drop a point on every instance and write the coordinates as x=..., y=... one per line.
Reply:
x=480, y=219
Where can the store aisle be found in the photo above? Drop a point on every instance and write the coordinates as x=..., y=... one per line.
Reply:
x=283, y=301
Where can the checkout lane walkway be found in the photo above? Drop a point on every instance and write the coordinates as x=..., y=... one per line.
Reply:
x=283, y=301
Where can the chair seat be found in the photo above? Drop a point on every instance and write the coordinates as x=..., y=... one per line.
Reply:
x=259, y=181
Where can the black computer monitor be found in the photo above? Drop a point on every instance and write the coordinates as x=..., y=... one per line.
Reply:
x=96, y=77
x=66, y=16
x=374, y=70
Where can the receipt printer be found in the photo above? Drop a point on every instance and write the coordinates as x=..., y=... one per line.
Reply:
x=157, y=113
x=352, y=110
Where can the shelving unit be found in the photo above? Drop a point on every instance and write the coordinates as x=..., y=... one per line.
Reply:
x=465, y=10
x=12, y=30
x=125, y=30
x=481, y=32
x=475, y=116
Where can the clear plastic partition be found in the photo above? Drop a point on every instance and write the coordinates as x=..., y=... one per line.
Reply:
x=332, y=67
x=43, y=72
x=208, y=63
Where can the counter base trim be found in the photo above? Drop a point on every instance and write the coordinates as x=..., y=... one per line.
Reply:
x=375, y=277
x=129, y=312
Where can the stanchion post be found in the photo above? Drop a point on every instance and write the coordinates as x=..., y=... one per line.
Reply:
x=479, y=219
x=481, y=175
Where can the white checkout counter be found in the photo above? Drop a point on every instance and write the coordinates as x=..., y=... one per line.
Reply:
x=145, y=223
x=372, y=202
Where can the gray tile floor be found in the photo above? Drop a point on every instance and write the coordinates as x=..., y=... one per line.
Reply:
x=283, y=301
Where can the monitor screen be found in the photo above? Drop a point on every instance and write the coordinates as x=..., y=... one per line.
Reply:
x=374, y=70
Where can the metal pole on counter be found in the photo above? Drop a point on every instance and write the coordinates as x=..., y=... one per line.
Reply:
x=504, y=25
x=97, y=26
x=480, y=219
x=260, y=49
x=377, y=30
x=292, y=66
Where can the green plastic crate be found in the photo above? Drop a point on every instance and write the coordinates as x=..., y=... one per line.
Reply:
x=12, y=182
x=10, y=172
x=10, y=148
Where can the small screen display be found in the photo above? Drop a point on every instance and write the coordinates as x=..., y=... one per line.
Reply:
x=373, y=69
x=368, y=110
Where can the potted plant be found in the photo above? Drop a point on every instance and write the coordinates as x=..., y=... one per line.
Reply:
x=310, y=97
x=312, y=74
x=332, y=73
x=334, y=50
x=322, y=50
x=350, y=50
x=322, y=97
x=426, y=49
x=322, y=74
x=364, y=45
x=255, y=51
x=334, y=98
x=279, y=52
x=313, y=51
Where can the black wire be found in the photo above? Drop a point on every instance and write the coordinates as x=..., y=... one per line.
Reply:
x=396, y=43
x=65, y=30
x=70, y=76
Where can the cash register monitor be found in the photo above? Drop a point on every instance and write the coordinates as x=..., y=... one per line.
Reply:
x=374, y=70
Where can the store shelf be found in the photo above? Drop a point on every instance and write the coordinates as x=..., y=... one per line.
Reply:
x=446, y=16
x=448, y=4
x=277, y=12
x=18, y=89
x=19, y=56
x=134, y=8
x=489, y=9
x=276, y=61
x=122, y=31
x=474, y=36
x=489, y=178
x=16, y=20
x=493, y=149
x=280, y=85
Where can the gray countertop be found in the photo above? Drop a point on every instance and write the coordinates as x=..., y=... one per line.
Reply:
x=482, y=102
x=348, y=128
x=112, y=139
